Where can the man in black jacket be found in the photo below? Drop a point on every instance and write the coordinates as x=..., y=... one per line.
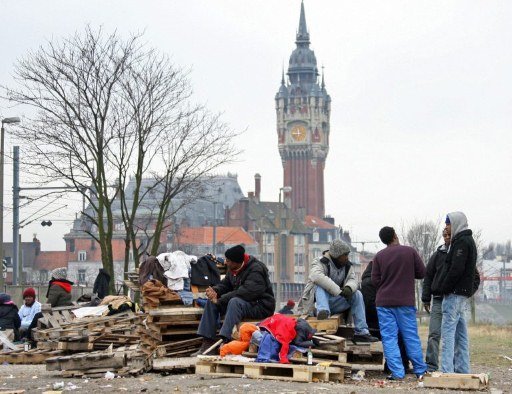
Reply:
x=245, y=292
x=457, y=286
x=432, y=299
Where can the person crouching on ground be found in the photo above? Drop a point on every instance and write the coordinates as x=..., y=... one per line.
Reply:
x=245, y=292
x=332, y=283
x=28, y=310
x=9, y=318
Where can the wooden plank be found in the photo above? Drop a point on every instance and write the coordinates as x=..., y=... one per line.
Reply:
x=176, y=311
x=456, y=381
x=169, y=364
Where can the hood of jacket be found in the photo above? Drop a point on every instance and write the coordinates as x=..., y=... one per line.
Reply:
x=459, y=223
x=104, y=272
x=5, y=309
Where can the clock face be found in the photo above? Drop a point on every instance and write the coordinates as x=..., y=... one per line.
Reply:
x=298, y=133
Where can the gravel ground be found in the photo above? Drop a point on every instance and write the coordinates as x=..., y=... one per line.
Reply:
x=35, y=379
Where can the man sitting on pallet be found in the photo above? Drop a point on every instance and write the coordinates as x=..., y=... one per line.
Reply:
x=244, y=293
x=332, y=284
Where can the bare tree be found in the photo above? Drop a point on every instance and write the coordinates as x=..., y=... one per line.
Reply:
x=424, y=236
x=109, y=109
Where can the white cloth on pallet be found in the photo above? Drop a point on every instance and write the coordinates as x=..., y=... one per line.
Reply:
x=176, y=267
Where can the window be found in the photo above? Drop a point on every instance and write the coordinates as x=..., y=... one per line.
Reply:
x=329, y=237
x=269, y=259
x=317, y=252
x=71, y=243
x=269, y=238
x=298, y=277
x=119, y=226
x=316, y=236
x=81, y=276
x=299, y=260
x=82, y=255
x=44, y=276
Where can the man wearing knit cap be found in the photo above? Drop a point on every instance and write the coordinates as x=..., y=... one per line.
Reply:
x=28, y=310
x=332, y=284
x=245, y=292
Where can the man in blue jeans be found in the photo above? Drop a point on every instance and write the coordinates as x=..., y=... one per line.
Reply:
x=394, y=270
x=332, y=284
x=458, y=285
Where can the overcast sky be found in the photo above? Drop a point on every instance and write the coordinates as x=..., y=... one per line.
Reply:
x=421, y=97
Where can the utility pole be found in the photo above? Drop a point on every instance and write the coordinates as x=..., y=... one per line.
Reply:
x=17, y=273
x=214, y=238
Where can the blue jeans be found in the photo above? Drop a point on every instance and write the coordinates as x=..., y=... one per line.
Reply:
x=454, y=331
x=434, y=334
x=400, y=319
x=337, y=304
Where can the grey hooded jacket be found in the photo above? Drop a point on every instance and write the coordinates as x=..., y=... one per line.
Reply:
x=460, y=266
x=318, y=276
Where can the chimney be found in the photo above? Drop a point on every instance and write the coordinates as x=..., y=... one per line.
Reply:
x=250, y=195
x=257, y=186
x=287, y=198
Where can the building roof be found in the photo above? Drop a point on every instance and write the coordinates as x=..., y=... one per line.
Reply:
x=265, y=213
x=315, y=222
x=204, y=236
x=51, y=260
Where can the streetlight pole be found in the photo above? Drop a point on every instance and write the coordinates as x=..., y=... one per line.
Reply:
x=282, y=257
x=2, y=132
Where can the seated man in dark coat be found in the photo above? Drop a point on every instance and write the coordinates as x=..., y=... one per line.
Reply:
x=9, y=318
x=245, y=292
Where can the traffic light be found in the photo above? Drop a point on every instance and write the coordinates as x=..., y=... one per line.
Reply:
x=46, y=223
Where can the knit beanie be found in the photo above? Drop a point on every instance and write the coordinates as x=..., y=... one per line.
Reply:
x=60, y=273
x=447, y=221
x=30, y=292
x=338, y=248
x=4, y=298
x=290, y=303
x=235, y=254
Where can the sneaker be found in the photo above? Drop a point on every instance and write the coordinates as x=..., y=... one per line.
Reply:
x=207, y=343
x=420, y=377
x=322, y=315
x=364, y=338
x=391, y=377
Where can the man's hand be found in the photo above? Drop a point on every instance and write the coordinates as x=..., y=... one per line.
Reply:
x=427, y=308
x=347, y=292
x=211, y=294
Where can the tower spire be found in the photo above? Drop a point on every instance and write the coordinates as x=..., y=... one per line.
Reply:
x=323, y=81
x=282, y=75
x=302, y=33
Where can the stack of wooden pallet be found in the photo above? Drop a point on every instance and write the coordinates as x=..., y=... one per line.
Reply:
x=170, y=326
x=89, y=334
x=125, y=360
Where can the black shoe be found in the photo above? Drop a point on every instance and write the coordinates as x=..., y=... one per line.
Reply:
x=207, y=343
x=364, y=338
x=322, y=315
x=391, y=377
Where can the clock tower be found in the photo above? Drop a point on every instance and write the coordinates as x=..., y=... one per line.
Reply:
x=303, y=109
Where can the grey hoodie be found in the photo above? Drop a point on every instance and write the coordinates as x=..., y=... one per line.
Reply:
x=459, y=222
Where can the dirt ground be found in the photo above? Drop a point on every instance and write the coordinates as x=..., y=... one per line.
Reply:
x=488, y=346
x=35, y=379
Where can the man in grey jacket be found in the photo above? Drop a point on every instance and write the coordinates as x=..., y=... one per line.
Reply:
x=332, y=284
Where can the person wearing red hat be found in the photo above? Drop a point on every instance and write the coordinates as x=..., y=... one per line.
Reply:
x=288, y=308
x=28, y=310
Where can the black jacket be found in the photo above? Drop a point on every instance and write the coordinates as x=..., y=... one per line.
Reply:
x=286, y=310
x=101, y=284
x=251, y=284
x=433, y=278
x=369, y=293
x=9, y=318
x=204, y=272
x=459, y=275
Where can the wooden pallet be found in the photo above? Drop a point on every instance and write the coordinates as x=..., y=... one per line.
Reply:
x=33, y=356
x=174, y=363
x=286, y=372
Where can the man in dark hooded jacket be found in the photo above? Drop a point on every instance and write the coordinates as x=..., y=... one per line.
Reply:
x=245, y=292
x=101, y=284
x=457, y=286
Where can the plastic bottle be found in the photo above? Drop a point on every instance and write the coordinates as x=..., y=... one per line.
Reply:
x=310, y=356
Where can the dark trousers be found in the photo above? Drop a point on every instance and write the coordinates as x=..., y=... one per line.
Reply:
x=33, y=325
x=434, y=335
x=236, y=310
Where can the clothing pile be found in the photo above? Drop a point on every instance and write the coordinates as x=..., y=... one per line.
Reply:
x=154, y=292
x=176, y=267
x=277, y=338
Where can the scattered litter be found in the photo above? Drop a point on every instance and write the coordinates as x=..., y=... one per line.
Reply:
x=214, y=387
x=246, y=385
x=10, y=377
x=359, y=376
x=109, y=375
x=421, y=384
x=58, y=385
x=106, y=386
x=34, y=377
x=70, y=386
